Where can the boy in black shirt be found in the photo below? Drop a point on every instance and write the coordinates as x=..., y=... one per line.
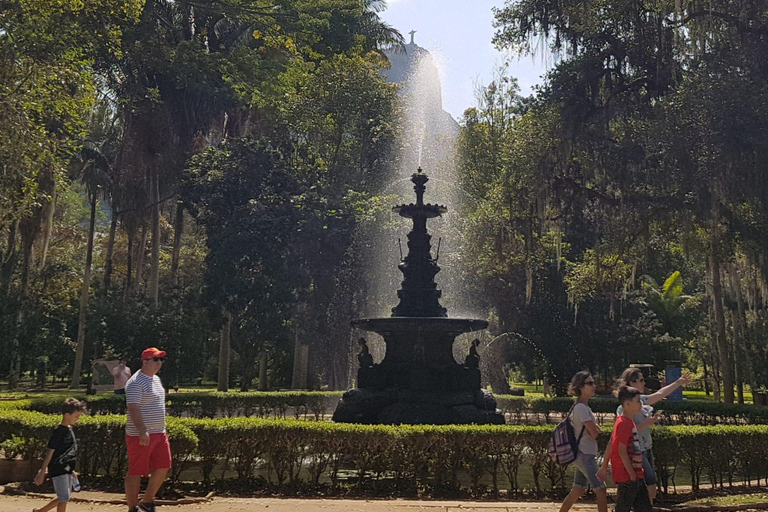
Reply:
x=60, y=459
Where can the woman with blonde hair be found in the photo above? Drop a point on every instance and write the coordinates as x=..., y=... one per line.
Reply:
x=633, y=377
x=585, y=427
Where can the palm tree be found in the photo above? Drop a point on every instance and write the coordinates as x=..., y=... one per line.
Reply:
x=669, y=303
x=95, y=175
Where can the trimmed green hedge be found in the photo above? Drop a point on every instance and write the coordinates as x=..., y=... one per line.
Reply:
x=438, y=460
x=299, y=404
x=102, y=440
x=687, y=412
x=318, y=405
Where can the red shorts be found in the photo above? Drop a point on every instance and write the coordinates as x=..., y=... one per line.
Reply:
x=142, y=460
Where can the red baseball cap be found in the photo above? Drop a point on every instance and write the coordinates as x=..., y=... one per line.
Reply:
x=152, y=352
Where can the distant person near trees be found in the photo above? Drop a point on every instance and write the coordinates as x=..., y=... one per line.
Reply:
x=149, y=452
x=121, y=374
x=585, y=427
x=60, y=459
x=644, y=420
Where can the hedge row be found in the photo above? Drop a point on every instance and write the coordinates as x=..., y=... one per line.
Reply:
x=318, y=405
x=101, y=450
x=688, y=412
x=327, y=457
x=297, y=404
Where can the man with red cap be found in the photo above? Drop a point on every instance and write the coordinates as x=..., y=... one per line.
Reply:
x=149, y=452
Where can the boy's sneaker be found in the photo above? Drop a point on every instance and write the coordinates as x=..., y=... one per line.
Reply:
x=146, y=507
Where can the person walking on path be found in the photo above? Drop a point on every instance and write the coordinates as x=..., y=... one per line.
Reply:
x=546, y=387
x=149, y=453
x=645, y=419
x=59, y=462
x=626, y=456
x=585, y=427
x=121, y=374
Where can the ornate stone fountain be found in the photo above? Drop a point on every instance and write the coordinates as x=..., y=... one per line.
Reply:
x=418, y=382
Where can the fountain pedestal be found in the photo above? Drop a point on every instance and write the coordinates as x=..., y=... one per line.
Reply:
x=418, y=382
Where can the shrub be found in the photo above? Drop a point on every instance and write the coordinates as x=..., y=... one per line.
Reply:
x=317, y=405
x=407, y=459
x=101, y=440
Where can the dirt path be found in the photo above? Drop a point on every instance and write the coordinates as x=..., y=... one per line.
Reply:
x=26, y=504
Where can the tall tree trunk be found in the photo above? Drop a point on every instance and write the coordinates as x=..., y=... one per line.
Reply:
x=140, y=254
x=29, y=228
x=263, y=385
x=49, y=208
x=743, y=348
x=706, y=376
x=178, y=230
x=80, y=346
x=129, y=263
x=9, y=258
x=154, y=269
x=738, y=366
x=722, y=343
x=247, y=376
x=110, y=250
x=224, y=345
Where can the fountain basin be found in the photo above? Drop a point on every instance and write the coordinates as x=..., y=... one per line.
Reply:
x=417, y=343
x=426, y=211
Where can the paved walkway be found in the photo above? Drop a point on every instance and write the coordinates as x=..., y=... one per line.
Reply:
x=104, y=502
x=110, y=502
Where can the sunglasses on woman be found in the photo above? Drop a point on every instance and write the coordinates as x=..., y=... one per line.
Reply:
x=156, y=359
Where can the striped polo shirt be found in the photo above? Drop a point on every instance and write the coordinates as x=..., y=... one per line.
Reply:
x=149, y=393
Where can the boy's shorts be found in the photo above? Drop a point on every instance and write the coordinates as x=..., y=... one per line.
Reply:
x=142, y=460
x=62, y=485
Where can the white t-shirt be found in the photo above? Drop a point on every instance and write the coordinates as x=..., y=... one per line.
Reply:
x=582, y=414
x=149, y=393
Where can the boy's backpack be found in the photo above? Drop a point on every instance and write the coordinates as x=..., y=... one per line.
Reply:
x=564, y=445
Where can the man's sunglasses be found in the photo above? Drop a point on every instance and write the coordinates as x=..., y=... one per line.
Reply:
x=155, y=359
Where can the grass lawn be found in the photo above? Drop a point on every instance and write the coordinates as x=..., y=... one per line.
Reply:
x=530, y=389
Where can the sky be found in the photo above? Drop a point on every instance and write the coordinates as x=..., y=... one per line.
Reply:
x=458, y=34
